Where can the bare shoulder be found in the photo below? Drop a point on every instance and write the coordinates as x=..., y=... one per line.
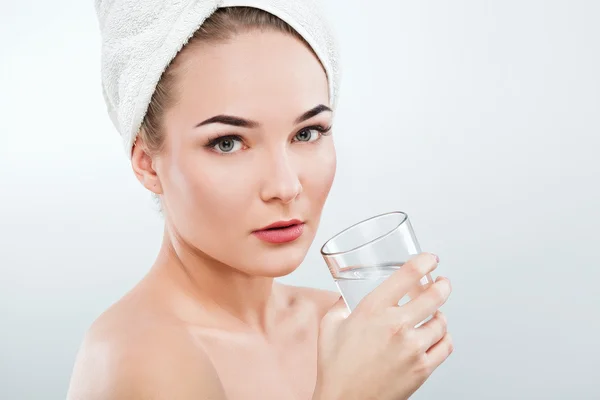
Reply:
x=323, y=300
x=130, y=353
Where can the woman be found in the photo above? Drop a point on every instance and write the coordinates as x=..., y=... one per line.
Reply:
x=236, y=144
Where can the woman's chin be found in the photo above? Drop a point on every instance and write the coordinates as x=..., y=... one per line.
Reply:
x=277, y=262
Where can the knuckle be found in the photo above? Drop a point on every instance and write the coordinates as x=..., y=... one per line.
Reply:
x=394, y=330
x=421, y=346
x=365, y=307
x=415, y=268
x=443, y=331
x=450, y=344
x=415, y=345
x=404, y=320
x=402, y=326
x=421, y=264
x=398, y=329
x=438, y=333
x=442, y=318
x=442, y=326
x=440, y=291
x=423, y=367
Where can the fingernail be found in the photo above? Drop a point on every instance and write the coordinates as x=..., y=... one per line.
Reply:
x=437, y=259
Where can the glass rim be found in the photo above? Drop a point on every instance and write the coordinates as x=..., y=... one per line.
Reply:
x=337, y=235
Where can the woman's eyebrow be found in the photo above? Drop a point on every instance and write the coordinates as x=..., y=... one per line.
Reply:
x=246, y=123
x=312, y=112
x=229, y=120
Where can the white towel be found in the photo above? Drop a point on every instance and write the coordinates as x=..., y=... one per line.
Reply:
x=141, y=37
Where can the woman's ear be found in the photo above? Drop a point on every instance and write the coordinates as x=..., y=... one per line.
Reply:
x=143, y=168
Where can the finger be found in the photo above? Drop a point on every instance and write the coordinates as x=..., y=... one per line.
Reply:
x=426, y=303
x=440, y=351
x=433, y=330
x=425, y=282
x=397, y=285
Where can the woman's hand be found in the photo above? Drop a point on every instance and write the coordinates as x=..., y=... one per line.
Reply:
x=376, y=352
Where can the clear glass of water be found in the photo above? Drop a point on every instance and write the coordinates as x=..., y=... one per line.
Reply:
x=362, y=256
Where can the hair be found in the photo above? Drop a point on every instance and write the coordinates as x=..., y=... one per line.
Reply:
x=221, y=26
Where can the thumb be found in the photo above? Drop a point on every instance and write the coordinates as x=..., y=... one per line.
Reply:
x=339, y=309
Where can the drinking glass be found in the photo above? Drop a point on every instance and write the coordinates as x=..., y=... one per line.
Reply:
x=362, y=256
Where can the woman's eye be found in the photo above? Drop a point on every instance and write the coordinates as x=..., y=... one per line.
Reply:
x=227, y=145
x=307, y=135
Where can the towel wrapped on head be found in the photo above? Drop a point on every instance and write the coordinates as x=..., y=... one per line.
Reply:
x=141, y=37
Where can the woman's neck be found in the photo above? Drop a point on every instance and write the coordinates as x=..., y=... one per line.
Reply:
x=201, y=285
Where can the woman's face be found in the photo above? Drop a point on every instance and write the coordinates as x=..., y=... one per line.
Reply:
x=244, y=149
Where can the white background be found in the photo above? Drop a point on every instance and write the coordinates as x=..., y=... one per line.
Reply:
x=478, y=118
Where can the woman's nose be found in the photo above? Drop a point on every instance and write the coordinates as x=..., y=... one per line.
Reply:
x=280, y=181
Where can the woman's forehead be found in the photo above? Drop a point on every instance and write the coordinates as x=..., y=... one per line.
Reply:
x=261, y=68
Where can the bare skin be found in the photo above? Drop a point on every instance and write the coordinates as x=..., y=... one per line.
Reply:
x=209, y=321
x=158, y=339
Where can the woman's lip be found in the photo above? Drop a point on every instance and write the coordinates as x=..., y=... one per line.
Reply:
x=280, y=235
x=280, y=224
